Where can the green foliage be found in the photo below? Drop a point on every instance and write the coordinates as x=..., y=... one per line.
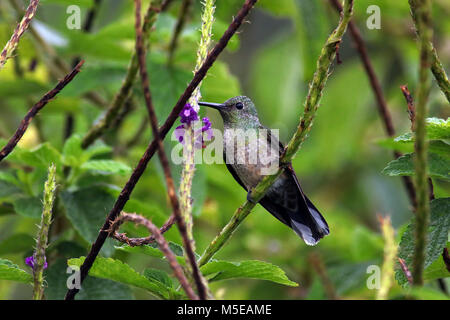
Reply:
x=92, y=288
x=116, y=270
x=438, y=135
x=438, y=166
x=10, y=271
x=437, y=241
x=220, y=270
x=16, y=243
x=223, y=270
x=86, y=209
x=271, y=60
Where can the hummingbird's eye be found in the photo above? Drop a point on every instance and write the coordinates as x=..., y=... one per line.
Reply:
x=239, y=105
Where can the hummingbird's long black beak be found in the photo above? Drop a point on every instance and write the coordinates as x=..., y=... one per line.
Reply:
x=216, y=106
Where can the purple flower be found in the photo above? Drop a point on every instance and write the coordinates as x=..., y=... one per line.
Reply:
x=188, y=114
x=179, y=133
x=188, y=117
x=29, y=261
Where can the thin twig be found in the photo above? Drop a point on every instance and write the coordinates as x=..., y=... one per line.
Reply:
x=184, y=12
x=163, y=246
x=55, y=64
x=410, y=104
x=327, y=284
x=435, y=64
x=35, y=109
x=181, y=223
x=18, y=32
x=405, y=270
x=103, y=124
x=316, y=87
x=151, y=149
x=412, y=117
x=425, y=31
x=134, y=242
x=382, y=107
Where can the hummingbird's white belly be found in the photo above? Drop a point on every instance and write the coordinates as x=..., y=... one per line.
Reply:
x=250, y=154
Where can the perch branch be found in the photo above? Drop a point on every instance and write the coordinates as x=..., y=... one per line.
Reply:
x=35, y=109
x=151, y=149
x=424, y=28
x=181, y=223
x=163, y=246
x=11, y=45
x=382, y=107
x=316, y=87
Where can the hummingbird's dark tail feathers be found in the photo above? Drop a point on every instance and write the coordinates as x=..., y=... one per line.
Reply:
x=308, y=223
x=286, y=201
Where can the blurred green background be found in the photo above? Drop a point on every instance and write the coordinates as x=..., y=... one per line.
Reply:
x=271, y=61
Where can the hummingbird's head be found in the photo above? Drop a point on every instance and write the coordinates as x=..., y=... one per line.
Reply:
x=238, y=111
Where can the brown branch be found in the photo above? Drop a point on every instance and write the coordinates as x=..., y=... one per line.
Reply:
x=151, y=149
x=135, y=242
x=321, y=271
x=11, y=45
x=163, y=246
x=382, y=107
x=410, y=103
x=201, y=287
x=184, y=11
x=412, y=116
x=35, y=109
x=406, y=270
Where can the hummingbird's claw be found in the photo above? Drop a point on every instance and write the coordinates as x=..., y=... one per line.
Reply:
x=250, y=198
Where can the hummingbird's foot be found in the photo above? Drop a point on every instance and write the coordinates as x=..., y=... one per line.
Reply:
x=285, y=165
x=250, y=198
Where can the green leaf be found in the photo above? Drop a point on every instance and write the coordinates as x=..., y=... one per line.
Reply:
x=41, y=156
x=438, y=166
x=30, y=207
x=106, y=167
x=97, y=76
x=437, y=237
x=246, y=269
x=436, y=270
x=72, y=152
x=438, y=129
x=92, y=288
x=8, y=189
x=158, y=275
x=10, y=271
x=16, y=243
x=116, y=270
x=87, y=209
x=152, y=250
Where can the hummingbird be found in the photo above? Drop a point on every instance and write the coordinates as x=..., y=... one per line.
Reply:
x=285, y=199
